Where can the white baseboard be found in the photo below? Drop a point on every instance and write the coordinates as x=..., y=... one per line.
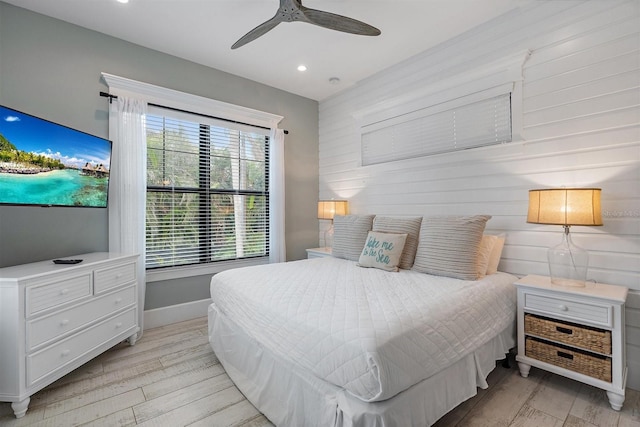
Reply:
x=175, y=313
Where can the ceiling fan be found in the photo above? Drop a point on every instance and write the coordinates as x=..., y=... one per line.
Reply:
x=294, y=11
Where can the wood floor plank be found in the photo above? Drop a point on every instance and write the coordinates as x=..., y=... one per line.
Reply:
x=531, y=417
x=166, y=351
x=171, y=384
x=577, y=422
x=232, y=416
x=555, y=396
x=199, y=323
x=260, y=421
x=94, y=411
x=198, y=348
x=165, y=345
x=55, y=394
x=592, y=405
x=123, y=418
x=112, y=388
x=181, y=396
x=198, y=409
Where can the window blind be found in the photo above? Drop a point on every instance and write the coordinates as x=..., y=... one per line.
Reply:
x=476, y=124
x=207, y=190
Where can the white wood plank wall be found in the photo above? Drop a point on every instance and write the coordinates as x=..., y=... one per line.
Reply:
x=581, y=127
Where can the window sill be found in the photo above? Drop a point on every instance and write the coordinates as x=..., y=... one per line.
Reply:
x=201, y=270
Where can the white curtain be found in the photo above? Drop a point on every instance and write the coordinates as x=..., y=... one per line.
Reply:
x=127, y=187
x=277, y=247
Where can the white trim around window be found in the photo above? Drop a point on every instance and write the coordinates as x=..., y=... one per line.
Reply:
x=153, y=94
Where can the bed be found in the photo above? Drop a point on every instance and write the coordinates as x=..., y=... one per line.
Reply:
x=327, y=342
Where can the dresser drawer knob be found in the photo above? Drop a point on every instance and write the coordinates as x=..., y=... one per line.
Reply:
x=118, y=301
x=563, y=307
x=64, y=291
x=118, y=325
x=65, y=353
x=64, y=322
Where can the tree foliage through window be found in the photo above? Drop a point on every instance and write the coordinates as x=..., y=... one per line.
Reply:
x=207, y=192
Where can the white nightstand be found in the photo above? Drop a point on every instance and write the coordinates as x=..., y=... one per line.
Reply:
x=577, y=332
x=318, y=252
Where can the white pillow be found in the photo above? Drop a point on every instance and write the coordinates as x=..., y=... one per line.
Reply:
x=449, y=246
x=349, y=234
x=484, y=253
x=382, y=250
x=496, y=253
x=400, y=225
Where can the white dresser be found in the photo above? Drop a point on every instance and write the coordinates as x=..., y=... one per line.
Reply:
x=56, y=317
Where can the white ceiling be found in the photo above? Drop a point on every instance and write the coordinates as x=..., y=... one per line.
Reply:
x=203, y=31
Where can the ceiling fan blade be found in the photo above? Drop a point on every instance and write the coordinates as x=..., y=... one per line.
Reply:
x=338, y=22
x=258, y=31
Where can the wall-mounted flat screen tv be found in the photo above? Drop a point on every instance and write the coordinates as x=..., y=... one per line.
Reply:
x=47, y=164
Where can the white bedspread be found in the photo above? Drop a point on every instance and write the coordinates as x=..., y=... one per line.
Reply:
x=372, y=332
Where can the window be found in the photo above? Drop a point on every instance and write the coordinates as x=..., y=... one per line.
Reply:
x=207, y=190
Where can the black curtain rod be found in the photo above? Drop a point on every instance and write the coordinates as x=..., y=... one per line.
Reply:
x=112, y=97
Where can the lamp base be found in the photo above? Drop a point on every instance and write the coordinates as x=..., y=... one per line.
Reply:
x=328, y=236
x=568, y=263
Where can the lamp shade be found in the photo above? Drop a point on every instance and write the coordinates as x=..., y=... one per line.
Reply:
x=565, y=206
x=327, y=209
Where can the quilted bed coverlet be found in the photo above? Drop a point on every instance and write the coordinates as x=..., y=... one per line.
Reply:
x=372, y=332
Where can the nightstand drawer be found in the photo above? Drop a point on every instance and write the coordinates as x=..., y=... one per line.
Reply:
x=594, y=313
x=586, y=338
x=593, y=365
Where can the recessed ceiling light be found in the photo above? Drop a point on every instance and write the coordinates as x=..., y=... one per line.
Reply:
x=302, y=68
x=334, y=80
x=122, y=1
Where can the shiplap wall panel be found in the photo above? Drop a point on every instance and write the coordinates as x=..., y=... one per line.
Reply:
x=581, y=127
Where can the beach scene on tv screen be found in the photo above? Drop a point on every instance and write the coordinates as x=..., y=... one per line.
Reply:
x=43, y=163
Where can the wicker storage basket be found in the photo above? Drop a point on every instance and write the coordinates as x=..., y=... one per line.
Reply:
x=587, y=338
x=593, y=365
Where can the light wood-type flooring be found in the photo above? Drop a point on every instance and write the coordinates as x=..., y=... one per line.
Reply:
x=171, y=377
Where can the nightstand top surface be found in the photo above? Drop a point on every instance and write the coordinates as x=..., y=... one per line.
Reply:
x=325, y=250
x=594, y=290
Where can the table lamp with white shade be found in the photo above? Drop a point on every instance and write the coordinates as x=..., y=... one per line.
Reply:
x=568, y=263
x=327, y=209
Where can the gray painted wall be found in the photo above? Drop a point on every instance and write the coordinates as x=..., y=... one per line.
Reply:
x=51, y=69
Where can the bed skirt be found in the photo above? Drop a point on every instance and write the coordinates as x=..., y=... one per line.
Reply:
x=288, y=396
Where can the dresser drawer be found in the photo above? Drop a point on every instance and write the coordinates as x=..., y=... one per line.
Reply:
x=112, y=277
x=52, y=294
x=580, y=311
x=46, y=328
x=66, y=351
